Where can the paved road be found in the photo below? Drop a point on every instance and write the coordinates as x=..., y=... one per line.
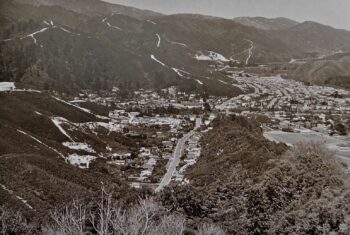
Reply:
x=177, y=157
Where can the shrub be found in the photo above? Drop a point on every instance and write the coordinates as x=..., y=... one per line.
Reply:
x=210, y=229
x=13, y=223
x=106, y=217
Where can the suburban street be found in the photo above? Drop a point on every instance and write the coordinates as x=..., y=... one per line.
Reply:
x=177, y=157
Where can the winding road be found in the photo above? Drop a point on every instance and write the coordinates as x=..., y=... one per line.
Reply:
x=250, y=52
x=177, y=157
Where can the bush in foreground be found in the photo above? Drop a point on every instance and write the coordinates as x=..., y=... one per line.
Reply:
x=107, y=217
x=14, y=223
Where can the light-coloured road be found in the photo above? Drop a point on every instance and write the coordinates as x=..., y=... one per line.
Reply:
x=250, y=52
x=177, y=157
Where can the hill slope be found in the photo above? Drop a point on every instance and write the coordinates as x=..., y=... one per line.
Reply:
x=94, y=7
x=45, y=144
x=60, y=48
x=67, y=50
x=311, y=37
x=333, y=70
x=250, y=186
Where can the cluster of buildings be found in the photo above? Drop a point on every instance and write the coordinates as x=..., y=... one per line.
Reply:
x=156, y=121
x=290, y=104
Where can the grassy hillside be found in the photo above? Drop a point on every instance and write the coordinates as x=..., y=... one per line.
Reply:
x=47, y=183
x=33, y=159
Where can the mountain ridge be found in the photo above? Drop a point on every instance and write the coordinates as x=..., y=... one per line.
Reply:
x=148, y=52
x=95, y=7
x=277, y=23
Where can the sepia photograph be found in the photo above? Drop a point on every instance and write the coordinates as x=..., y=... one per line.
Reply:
x=174, y=117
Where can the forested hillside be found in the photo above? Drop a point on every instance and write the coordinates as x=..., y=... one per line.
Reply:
x=252, y=186
x=59, y=47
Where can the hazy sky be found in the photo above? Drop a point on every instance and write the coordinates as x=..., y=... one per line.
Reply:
x=332, y=12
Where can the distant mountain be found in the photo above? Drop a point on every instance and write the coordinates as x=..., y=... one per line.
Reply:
x=333, y=70
x=94, y=7
x=71, y=45
x=311, y=37
x=65, y=50
x=266, y=23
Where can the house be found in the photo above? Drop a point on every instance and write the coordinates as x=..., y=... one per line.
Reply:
x=117, y=162
x=285, y=125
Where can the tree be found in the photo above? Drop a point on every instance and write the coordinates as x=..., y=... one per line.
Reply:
x=97, y=84
x=71, y=220
x=147, y=217
x=341, y=129
x=207, y=107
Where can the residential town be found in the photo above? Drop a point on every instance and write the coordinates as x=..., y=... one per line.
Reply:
x=158, y=122
x=155, y=124
x=289, y=104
